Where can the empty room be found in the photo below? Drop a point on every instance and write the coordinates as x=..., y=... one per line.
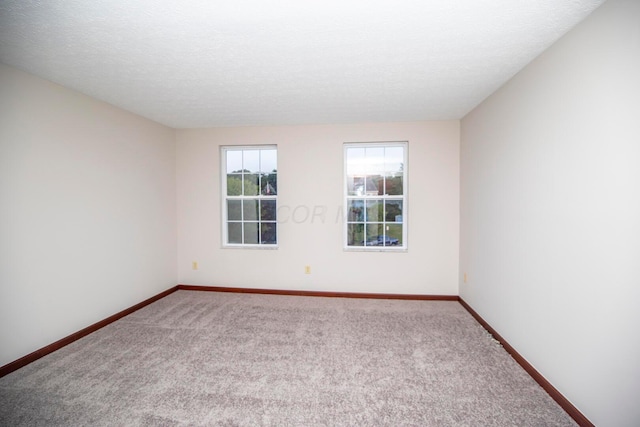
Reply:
x=320, y=213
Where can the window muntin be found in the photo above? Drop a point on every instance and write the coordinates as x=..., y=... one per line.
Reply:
x=375, y=195
x=250, y=196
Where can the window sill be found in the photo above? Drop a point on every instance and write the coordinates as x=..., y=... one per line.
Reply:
x=374, y=249
x=259, y=247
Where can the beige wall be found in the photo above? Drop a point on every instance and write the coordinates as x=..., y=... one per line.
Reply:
x=87, y=212
x=550, y=213
x=310, y=166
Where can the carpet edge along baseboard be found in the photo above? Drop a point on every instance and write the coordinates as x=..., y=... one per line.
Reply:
x=564, y=403
x=327, y=294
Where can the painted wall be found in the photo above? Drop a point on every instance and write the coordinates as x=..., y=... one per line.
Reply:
x=550, y=213
x=310, y=174
x=87, y=212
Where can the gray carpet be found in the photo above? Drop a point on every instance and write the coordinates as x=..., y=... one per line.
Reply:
x=205, y=358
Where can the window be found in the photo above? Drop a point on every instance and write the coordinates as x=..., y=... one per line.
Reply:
x=250, y=201
x=375, y=196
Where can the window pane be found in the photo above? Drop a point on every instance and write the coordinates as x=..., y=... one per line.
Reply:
x=251, y=232
x=393, y=160
x=268, y=210
x=234, y=185
x=375, y=160
x=251, y=184
x=251, y=161
x=355, y=185
x=268, y=161
x=356, y=161
x=375, y=185
x=355, y=234
x=234, y=210
x=374, y=211
x=394, y=235
x=269, y=184
x=375, y=234
x=355, y=211
x=393, y=185
x=234, y=232
x=234, y=161
x=250, y=208
x=393, y=210
x=268, y=233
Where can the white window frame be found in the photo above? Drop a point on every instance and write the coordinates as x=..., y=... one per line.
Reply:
x=401, y=247
x=224, y=198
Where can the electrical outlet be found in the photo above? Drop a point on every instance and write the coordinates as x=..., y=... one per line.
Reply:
x=465, y=277
x=194, y=265
x=307, y=269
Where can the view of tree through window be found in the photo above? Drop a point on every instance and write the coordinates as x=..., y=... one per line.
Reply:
x=375, y=195
x=250, y=195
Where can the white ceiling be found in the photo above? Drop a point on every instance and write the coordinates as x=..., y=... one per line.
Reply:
x=207, y=63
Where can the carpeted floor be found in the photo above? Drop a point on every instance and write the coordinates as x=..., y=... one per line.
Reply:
x=205, y=358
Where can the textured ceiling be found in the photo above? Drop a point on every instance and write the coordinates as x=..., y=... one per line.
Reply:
x=204, y=63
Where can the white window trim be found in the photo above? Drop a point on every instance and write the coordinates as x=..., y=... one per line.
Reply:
x=224, y=197
x=405, y=199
